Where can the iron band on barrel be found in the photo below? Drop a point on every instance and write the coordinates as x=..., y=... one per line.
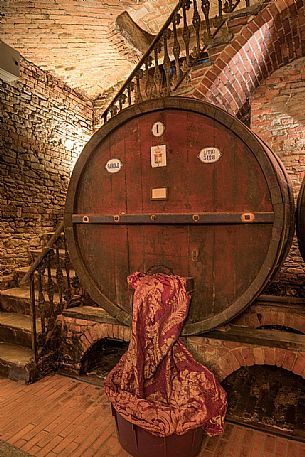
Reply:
x=176, y=218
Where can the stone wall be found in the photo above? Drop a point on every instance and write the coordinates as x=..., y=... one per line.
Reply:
x=44, y=126
x=278, y=117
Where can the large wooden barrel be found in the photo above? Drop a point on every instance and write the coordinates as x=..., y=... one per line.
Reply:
x=300, y=220
x=179, y=183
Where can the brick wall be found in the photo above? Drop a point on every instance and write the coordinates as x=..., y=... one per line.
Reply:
x=44, y=126
x=270, y=40
x=278, y=117
x=75, y=40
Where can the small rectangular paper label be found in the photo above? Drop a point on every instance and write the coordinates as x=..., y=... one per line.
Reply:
x=158, y=156
x=159, y=193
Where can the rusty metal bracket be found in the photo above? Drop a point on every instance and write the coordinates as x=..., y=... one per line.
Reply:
x=247, y=217
x=195, y=217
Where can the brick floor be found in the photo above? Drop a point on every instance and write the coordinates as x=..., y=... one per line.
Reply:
x=61, y=416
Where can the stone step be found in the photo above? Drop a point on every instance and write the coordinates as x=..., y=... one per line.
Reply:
x=20, y=273
x=37, y=251
x=90, y=313
x=45, y=237
x=34, y=253
x=16, y=362
x=17, y=300
x=16, y=329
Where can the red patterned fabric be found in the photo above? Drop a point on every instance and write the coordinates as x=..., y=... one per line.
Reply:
x=157, y=384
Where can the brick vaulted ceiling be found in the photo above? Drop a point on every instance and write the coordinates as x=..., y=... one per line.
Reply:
x=77, y=40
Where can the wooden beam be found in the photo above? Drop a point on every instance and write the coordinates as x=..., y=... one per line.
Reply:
x=259, y=337
x=138, y=37
x=276, y=299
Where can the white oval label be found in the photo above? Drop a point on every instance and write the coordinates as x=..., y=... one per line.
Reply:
x=113, y=165
x=158, y=129
x=209, y=155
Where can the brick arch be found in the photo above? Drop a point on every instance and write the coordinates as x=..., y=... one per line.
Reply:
x=271, y=40
x=225, y=357
x=263, y=315
x=99, y=331
x=282, y=358
x=294, y=322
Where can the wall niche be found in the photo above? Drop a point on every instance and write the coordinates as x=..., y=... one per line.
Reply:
x=267, y=397
x=100, y=358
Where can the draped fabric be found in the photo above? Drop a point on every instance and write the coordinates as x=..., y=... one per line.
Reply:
x=157, y=384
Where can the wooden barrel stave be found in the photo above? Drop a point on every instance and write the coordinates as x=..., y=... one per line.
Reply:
x=300, y=219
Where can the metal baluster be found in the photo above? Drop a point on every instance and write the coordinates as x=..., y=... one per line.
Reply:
x=205, y=6
x=228, y=7
x=113, y=110
x=120, y=103
x=105, y=115
x=186, y=33
x=76, y=285
x=59, y=275
x=166, y=61
x=196, y=24
x=220, y=10
x=139, y=76
x=148, y=84
x=157, y=74
x=33, y=317
x=68, y=290
x=41, y=299
x=50, y=289
x=129, y=89
x=176, y=47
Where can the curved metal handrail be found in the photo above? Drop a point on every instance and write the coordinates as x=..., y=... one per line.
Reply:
x=44, y=253
x=164, y=78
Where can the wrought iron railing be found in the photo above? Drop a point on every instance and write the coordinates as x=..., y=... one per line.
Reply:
x=181, y=42
x=53, y=287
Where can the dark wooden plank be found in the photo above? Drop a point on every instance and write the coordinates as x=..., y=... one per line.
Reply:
x=272, y=338
x=300, y=219
x=278, y=299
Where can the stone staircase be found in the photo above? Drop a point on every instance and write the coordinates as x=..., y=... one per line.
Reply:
x=16, y=361
x=16, y=354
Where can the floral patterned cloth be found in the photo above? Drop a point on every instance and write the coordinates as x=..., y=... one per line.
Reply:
x=157, y=384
